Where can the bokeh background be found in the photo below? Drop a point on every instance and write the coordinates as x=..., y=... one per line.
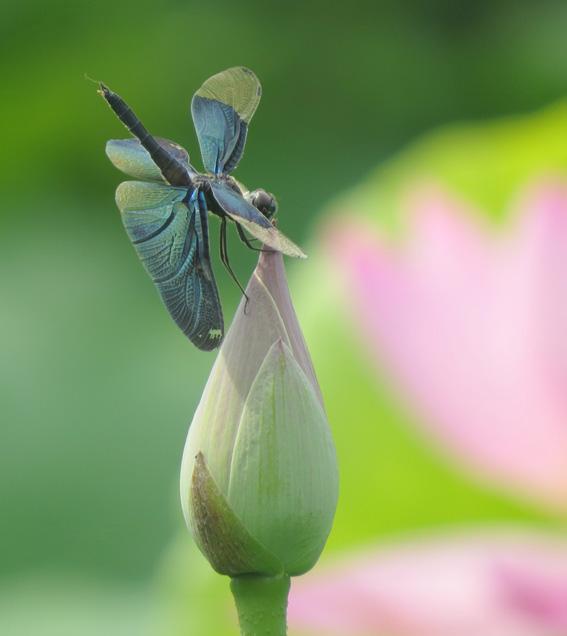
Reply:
x=97, y=386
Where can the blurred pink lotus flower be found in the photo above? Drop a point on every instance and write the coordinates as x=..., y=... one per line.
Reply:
x=496, y=583
x=472, y=324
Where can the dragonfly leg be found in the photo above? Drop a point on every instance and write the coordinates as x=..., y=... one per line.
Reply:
x=247, y=241
x=225, y=261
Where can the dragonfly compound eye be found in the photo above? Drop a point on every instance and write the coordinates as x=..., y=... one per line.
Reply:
x=265, y=202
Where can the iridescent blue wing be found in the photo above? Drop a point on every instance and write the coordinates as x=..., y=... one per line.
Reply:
x=170, y=233
x=129, y=156
x=239, y=210
x=222, y=109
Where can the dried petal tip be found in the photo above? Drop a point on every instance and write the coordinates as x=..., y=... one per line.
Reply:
x=259, y=479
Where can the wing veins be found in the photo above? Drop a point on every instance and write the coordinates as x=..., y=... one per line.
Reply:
x=184, y=253
x=160, y=229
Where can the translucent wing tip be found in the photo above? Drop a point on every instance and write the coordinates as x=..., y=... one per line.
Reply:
x=130, y=157
x=237, y=87
x=280, y=242
x=274, y=239
x=289, y=248
x=251, y=75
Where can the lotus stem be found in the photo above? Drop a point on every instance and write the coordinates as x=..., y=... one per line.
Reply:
x=262, y=604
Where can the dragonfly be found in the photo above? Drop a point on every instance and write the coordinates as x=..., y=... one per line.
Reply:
x=165, y=209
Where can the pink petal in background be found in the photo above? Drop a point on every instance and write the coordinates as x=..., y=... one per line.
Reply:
x=491, y=583
x=472, y=324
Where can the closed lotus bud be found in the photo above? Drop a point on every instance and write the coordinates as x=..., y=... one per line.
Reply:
x=259, y=479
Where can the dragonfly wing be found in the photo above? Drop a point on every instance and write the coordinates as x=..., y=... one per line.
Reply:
x=129, y=156
x=170, y=235
x=222, y=109
x=146, y=207
x=238, y=209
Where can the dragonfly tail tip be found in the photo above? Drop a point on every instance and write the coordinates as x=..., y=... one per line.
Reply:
x=103, y=90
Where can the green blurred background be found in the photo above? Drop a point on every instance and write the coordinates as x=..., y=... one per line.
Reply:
x=96, y=384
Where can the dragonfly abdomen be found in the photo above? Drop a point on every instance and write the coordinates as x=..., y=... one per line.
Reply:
x=174, y=172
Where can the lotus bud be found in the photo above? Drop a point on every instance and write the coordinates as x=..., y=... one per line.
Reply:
x=259, y=480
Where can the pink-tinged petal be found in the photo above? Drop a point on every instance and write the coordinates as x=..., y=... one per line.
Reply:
x=473, y=327
x=539, y=264
x=492, y=583
x=537, y=590
x=442, y=230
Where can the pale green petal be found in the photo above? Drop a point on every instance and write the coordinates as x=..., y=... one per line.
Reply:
x=283, y=477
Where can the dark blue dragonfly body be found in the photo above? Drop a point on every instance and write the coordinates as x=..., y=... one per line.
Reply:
x=165, y=211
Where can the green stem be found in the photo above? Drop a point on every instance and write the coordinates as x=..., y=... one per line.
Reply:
x=262, y=604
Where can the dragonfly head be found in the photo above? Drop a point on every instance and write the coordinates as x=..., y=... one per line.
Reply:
x=263, y=201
